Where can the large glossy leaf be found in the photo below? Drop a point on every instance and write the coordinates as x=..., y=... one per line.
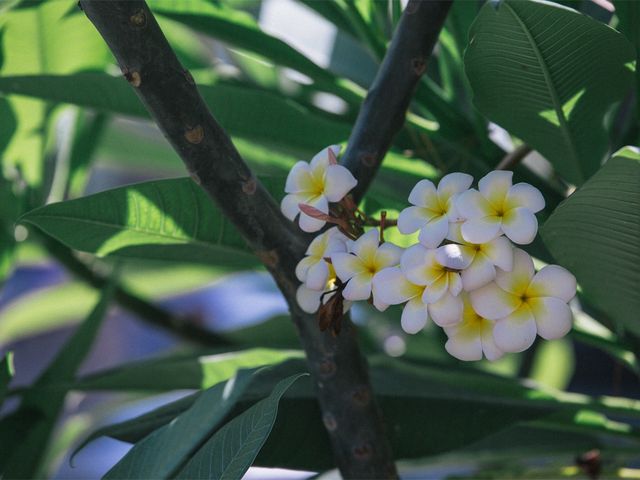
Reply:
x=594, y=234
x=25, y=433
x=549, y=74
x=276, y=121
x=164, y=219
x=167, y=449
x=230, y=452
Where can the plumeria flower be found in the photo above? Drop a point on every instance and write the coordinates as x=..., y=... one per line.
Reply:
x=390, y=286
x=365, y=258
x=434, y=268
x=433, y=208
x=472, y=337
x=309, y=299
x=500, y=207
x=485, y=257
x=524, y=303
x=316, y=184
x=313, y=270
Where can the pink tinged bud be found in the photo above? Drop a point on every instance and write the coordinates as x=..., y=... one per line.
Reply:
x=333, y=160
x=314, y=212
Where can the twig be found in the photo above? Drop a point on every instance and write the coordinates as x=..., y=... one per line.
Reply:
x=384, y=109
x=339, y=370
x=150, y=313
x=512, y=159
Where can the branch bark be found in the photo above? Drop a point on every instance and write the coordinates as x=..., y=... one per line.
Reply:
x=385, y=107
x=350, y=412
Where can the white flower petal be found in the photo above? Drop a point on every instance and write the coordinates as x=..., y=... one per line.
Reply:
x=366, y=246
x=321, y=159
x=391, y=286
x=553, y=281
x=446, y=311
x=500, y=252
x=412, y=219
x=414, y=316
x=309, y=300
x=359, y=287
x=379, y=304
x=317, y=275
x=303, y=267
x=518, y=279
x=309, y=224
x=516, y=332
x=298, y=177
x=455, y=283
x=492, y=302
x=489, y=347
x=289, y=205
x=414, y=264
x=553, y=317
x=338, y=182
x=436, y=290
x=453, y=214
x=388, y=255
x=433, y=233
x=525, y=195
x=454, y=256
x=480, y=272
x=346, y=265
x=471, y=204
x=453, y=183
x=495, y=185
x=520, y=225
x=481, y=230
x=424, y=194
x=468, y=349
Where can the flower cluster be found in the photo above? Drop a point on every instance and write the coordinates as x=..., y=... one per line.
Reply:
x=465, y=273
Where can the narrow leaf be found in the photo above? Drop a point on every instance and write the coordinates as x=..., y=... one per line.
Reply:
x=232, y=450
x=166, y=449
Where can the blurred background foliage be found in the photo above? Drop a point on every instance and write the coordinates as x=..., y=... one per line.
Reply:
x=286, y=78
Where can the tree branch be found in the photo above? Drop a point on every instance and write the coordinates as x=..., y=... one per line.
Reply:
x=339, y=370
x=385, y=107
x=512, y=159
x=150, y=313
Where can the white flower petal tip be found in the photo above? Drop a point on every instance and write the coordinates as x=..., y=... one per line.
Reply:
x=414, y=317
x=308, y=299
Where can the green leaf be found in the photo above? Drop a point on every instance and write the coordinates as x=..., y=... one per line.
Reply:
x=230, y=452
x=162, y=453
x=183, y=372
x=594, y=234
x=241, y=30
x=278, y=121
x=6, y=373
x=164, y=219
x=549, y=74
x=25, y=433
x=458, y=405
x=87, y=132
